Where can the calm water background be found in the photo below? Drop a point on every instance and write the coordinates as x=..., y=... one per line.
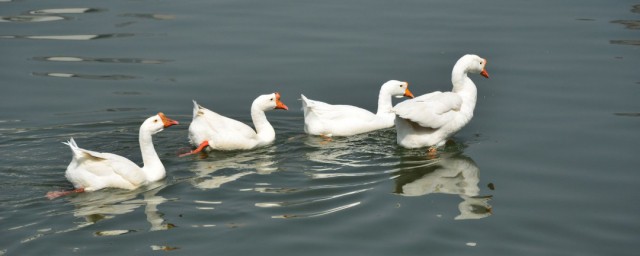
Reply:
x=548, y=165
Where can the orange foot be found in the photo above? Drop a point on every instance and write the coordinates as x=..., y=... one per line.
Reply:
x=326, y=139
x=432, y=153
x=55, y=194
x=202, y=146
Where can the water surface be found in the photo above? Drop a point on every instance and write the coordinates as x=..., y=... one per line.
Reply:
x=548, y=165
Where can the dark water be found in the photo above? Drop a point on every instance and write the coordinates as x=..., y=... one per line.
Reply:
x=548, y=165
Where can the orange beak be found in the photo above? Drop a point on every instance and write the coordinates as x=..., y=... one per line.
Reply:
x=408, y=93
x=279, y=104
x=484, y=70
x=167, y=121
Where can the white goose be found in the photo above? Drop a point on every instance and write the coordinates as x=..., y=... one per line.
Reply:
x=344, y=120
x=210, y=130
x=428, y=120
x=91, y=171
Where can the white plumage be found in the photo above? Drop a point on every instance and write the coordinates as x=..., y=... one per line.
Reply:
x=345, y=120
x=90, y=170
x=210, y=130
x=430, y=119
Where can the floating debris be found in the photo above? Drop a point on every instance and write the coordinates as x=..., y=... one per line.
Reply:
x=163, y=248
x=234, y=225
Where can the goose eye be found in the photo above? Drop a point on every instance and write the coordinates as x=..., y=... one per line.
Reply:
x=400, y=86
x=271, y=99
x=155, y=120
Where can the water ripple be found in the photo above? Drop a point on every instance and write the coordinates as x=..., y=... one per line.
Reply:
x=284, y=190
x=355, y=151
x=347, y=169
x=316, y=214
x=84, y=76
x=80, y=37
x=358, y=174
x=625, y=42
x=243, y=163
x=309, y=200
x=629, y=24
x=217, y=181
x=632, y=114
x=65, y=11
x=101, y=60
x=153, y=16
x=30, y=18
x=113, y=232
x=46, y=15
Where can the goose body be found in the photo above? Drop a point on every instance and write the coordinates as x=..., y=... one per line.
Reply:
x=91, y=171
x=428, y=120
x=212, y=131
x=345, y=120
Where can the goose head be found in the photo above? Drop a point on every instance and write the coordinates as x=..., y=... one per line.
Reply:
x=269, y=101
x=475, y=64
x=157, y=123
x=397, y=88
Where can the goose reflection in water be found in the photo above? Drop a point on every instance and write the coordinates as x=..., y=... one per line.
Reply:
x=105, y=204
x=450, y=174
x=258, y=161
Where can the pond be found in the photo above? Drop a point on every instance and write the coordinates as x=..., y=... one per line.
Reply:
x=547, y=166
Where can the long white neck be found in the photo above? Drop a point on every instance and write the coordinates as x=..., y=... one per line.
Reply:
x=385, y=105
x=153, y=168
x=463, y=86
x=264, y=129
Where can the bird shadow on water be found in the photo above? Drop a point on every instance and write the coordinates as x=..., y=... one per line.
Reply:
x=92, y=208
x=212, y=169
x=105, y=204
x=449, y=172
x=342, y=171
